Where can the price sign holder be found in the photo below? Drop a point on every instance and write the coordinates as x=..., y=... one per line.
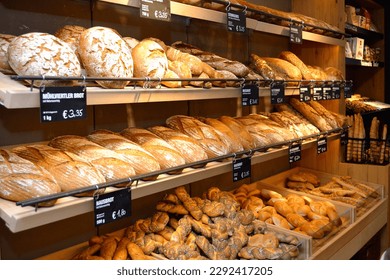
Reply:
x=156, y=9
x=304, y=93
x=113, y=206
x=277, y=92
x=296, y=33
x=348, y=90
x=249, y=95
x=344, y=137
x=327, y=92
x=336, y=91
x=322, y=144
x=236, y=20
x=317, y=93
x=242, y=168
x=294, y=152
x=62, y=103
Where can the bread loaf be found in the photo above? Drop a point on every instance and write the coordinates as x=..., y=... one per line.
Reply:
x=327, y=115
x=70, y=34
x=296, y=61
x=112, y=165
x=69, y=170
x=42, y=54
x=317, y=73
x=333, y=74
x=166, y=155
x=141, y=160
x=192, y=61
x=181, y=69
x=131, y=42
x=150, y=60
x=169, y=74
x=5, y=39
x=260, y=66
x=212, y=141
x=240, y=131
x=20, y=179
x=105, y=54
x=283, y=69
x=187, y=146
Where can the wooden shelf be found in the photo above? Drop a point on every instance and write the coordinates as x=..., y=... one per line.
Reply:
x=19, y=218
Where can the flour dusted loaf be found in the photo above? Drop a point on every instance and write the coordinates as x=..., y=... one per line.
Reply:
x=211, y=140
x=112, y=165
x=166, y=154
x=5, y=39
x=141, y=160
x=150, y=60
x=187, y=146
x=39, y=54
x=70, y=34
x=20, y=179
x=69, y=170
x=104, y=53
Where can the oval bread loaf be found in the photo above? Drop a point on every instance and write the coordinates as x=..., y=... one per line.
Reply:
x=70, y=34
x=104, y=53
x=5, y=39
x=38, y=54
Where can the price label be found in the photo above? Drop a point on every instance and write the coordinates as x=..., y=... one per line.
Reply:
x=277, y=93
x=336, y=92
x=304, y=93
x=250, y=95
x=322, y=144
x=317, y=93
x=344, y=137
x=296, y=34
x=63, y=103
x=236, y=21
x=327, y=92
x=348, y=90
x=294, y=152
x=156, y=9
x=241, y=168
x=113, y=206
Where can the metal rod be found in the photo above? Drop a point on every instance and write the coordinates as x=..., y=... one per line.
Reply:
x=129, y=180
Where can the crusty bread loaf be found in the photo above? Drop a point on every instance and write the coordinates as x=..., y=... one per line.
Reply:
x=141, y=160
x=334, y=74
x=112, y=165
x=211, y=140
x=70, y=34
x=283, y=69
x=39, y=54
x=5, y=39
x=150, y=60
x=165, y=154
x=296, y=61
x=169, y=74
x=317, y=73
x=195, y=64
x=260, y=66
x=131, y=42
x=240, y=130
x=234, y=142
x=105, y=54
x=20, y=179
x=187, y=146
x=311, y=114
x=182, y=69
x=327, y=115
x=69, y=170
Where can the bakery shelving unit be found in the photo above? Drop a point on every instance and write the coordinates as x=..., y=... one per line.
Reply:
x=21, y=222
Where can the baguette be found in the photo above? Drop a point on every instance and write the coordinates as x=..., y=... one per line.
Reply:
x=240, y=130
x=296, y=61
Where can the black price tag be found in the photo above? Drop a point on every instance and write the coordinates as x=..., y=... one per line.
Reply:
x=336, y=92
x=344, y=137
x=241, y=168
x=317, y=93
x=113, y=206
x=304, y=93
x=296, y=34
x=277, y=93
x=294, y=152
x=322, y=144
x=327, y=92
x=348, y=90
x=63, y=103
x=236, y=21
x=250, y=95
x=156, y=9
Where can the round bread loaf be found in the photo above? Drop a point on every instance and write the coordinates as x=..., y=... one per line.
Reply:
x=150, y=60
x=39, y=54
x=131, y=42
x=5, y=39
x=70, y=34
x=104, y=53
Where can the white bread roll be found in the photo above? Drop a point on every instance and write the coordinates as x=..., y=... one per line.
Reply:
x=104, y=53
x=150, y=60
x=39, y=54
x=5, y=39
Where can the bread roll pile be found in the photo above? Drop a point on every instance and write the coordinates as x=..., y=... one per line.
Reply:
x=213, y=226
